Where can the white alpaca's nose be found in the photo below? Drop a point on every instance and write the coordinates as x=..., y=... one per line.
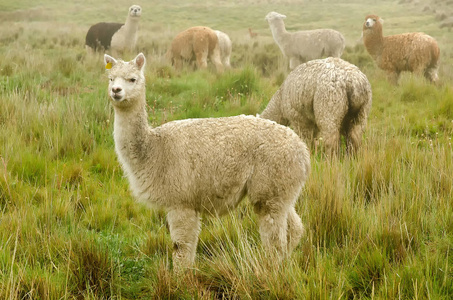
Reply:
x=116, y=89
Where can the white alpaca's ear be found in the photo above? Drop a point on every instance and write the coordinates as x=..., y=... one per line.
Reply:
x=140, y=61
x=109, y=61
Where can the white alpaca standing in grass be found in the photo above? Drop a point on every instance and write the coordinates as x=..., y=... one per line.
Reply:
x=305, y=45
x=208, y=165
x=116, y=37
x=324, y=98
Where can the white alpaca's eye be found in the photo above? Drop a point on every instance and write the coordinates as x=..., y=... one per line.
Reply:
x=132, y=80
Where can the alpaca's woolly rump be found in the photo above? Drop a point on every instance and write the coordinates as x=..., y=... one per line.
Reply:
x=323, y=99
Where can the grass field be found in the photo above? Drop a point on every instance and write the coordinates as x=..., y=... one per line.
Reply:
x=379, y=224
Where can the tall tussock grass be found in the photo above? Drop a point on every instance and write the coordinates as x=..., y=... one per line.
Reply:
x=379, y=223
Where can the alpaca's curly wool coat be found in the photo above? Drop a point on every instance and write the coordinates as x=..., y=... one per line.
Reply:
x=323, y=98
x=414, y=52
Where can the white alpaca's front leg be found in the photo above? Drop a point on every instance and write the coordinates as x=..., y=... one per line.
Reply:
x=184, y=229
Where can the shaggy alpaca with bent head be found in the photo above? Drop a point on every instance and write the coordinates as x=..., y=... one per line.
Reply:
x=197, y=166
x=324, y=99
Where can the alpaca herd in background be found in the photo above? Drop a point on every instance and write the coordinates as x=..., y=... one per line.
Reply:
x=195, y=166
x=413, y=52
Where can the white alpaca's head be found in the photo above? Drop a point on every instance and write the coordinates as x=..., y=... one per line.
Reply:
x=135, y=11
x=371, y=21
x=126, y=80
x=274, y=16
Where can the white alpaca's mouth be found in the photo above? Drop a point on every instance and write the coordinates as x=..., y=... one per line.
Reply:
x=135, y=13
x=117, y=97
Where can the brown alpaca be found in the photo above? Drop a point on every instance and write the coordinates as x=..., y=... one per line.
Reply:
x=414, y=52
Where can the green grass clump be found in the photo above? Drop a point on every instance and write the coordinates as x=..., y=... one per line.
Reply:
x=92, y=270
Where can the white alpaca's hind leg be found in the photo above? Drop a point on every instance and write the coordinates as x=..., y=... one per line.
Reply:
x=355, y=131
x=273, y=227
x=184, y=229
x=295, y=229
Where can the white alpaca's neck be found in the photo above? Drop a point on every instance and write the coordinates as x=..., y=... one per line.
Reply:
x=132, y=135
x=279, y=32
x=131, y=24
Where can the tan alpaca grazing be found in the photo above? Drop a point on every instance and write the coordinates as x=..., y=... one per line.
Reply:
x=197, y=166
x=198, y=42
x=414, y=52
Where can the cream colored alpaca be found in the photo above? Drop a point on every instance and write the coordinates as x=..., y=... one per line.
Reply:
x=126, y=37
x=207, y=166
x=305, y=45
x=115, y=37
